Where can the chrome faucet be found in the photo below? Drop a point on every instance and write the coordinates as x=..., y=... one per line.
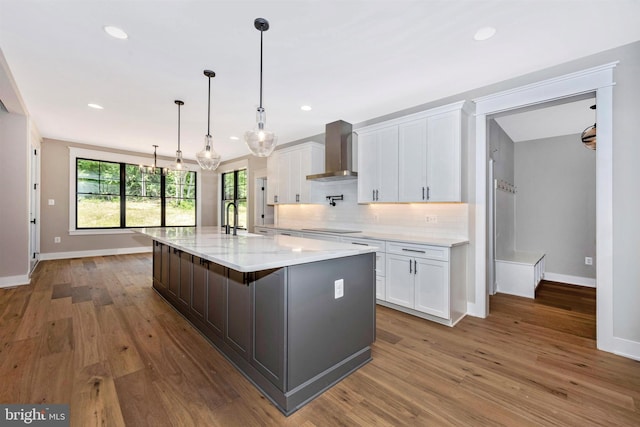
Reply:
x=227, y=228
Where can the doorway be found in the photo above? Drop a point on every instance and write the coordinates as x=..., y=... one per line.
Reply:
x=263, y=212
x=542, y=204
x=34, y=208
x=599, y=80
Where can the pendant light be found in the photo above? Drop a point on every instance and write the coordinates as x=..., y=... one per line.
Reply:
x=179, y=167
x=208, y=159
x=588, y=136
x=260, y=141
x=151, y=169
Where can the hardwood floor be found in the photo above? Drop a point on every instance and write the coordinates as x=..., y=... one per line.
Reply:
x=92, y=333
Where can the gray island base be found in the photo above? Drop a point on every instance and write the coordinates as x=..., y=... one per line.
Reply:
x=286, y=328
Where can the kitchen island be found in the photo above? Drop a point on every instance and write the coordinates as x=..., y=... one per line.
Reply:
x=294, y=315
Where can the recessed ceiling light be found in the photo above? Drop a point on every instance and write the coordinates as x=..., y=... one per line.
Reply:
x=305, y=108
x=484, y=33
x=96, y=106
x=115, y=32
x=235, y=138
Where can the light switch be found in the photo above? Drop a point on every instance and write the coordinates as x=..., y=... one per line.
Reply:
x=339, y=288
x=52, y=202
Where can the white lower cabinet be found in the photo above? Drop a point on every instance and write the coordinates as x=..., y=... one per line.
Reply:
x=381, y=292
x=427, y=281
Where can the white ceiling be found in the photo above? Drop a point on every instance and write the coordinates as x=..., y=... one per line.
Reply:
x=547, y=121
x=351, y=60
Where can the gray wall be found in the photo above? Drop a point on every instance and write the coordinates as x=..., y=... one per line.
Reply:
x=14, y=208
x=501, y=150
x=556, y=203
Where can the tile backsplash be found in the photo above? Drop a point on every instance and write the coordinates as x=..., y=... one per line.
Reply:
x=424, y=219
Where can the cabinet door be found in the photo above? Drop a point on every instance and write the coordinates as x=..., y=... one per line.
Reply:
x=412, y=161
x=444, y=159
x=432, y=287
x=387, y=165
x=238, y=325
x=295, y=176
x=216, y=315
x=378, y=166
x=381, y=292
x=284, y=184
x=174, y=272
x=157, y=264
x=166, y=263
x=367, y=180
x=400, y=280
x=186, y=265
x=268, y=355
x=272, y=178
x=199, y=287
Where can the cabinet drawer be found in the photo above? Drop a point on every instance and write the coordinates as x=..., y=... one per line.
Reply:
x=418, y=251
x=380, y=253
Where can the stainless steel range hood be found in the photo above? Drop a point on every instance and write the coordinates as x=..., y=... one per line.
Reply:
x=337, y=153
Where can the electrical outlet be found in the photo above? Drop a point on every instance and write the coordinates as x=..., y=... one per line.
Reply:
x=588, y=260
x=56, y=240
x=338, y=288
x=52, y=202
x=431, y=219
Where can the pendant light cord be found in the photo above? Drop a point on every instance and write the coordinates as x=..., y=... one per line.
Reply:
x=261, y=31
x=209, y=108
x=178, y=127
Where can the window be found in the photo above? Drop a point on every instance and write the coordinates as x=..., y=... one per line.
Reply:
x=234, y=189
x=117, y=195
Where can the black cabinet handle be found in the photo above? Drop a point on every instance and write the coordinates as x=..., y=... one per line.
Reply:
x=361, y=244
x=413, y=250
x=410, y=271
x=373, y=195
x=428, y=193
x=422, y=193
x=415, y=267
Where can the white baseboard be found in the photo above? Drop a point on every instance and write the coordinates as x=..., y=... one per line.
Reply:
x=11, y=281
x=473, y=309
x=626, y=348
x=572, y=280
x=98, y=252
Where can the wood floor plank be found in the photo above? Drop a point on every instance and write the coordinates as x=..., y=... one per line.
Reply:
x=87, y=337
x=93, y=333
x=95, y=399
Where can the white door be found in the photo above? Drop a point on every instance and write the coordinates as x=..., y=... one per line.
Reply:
x=34, y=210
x=400, y=280
x=432, y=287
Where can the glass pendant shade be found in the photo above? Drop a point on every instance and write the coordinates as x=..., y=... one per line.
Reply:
x=260, y=141
x=207, y=158
x=179, y=167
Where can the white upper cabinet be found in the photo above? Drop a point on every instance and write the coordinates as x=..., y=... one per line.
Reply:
x=378, y=165
x=412, y=161
x=287, y=171
x=444, y=157
x=416, y=158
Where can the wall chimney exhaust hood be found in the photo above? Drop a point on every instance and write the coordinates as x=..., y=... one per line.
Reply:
x=337, y=153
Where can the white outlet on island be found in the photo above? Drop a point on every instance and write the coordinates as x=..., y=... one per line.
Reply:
x=338, y=288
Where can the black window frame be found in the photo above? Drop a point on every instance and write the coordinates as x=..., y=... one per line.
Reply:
x=235, y=198
x=123, y=196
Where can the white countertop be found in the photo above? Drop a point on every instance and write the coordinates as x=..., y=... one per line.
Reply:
x=403, y=238
x=251, y=252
